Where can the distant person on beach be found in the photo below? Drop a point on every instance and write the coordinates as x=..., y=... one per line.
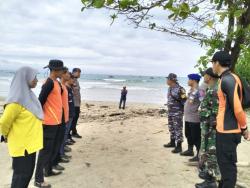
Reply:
x=192, y=117
x=77, y=101
x=21, y=126
x=123, y=98
x=231, y=119
x=51, y=101
x=176, y=99
x=208, y=166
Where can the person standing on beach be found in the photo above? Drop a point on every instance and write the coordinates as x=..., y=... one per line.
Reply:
x=21, y=126
x=65, y=100
x=61, y=157
x=69, y=85
x=208, y=166
x=51, y=101
x=231, y=119
x=77, y=101
x=176, y=99
x=123, y=99
x=192, y=118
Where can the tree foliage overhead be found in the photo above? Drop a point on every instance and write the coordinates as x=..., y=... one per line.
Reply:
x=215, y=24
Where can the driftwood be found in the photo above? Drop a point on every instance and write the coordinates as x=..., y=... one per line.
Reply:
x=158, y=132
x=116, y=114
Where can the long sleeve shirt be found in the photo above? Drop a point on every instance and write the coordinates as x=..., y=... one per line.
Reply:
x=231, y=117
x=22, y=129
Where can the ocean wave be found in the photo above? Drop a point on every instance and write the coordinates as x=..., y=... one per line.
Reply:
x=2, y=78
x=117, y=87
x=115, y=80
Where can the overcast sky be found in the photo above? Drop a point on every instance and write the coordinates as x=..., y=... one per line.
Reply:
x=32, y=32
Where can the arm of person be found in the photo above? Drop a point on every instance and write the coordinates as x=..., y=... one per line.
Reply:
x=231, y=89
x=10, y=114
x=46, y=90
x=214, y=105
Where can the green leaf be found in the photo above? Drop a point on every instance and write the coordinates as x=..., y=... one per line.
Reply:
x=171, y=15
x=238, y=13
x=210, y=23
x=169, y=5
x=183, y=15
x=222, y=16
x=124, y=4
x=113, y=17
x=98, y=3
x=185, y=7
x=195, y=9
x=86, y=1
x=110, y=2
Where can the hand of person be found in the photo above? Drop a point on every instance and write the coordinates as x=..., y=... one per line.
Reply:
x=3, y=139
x=246, y=135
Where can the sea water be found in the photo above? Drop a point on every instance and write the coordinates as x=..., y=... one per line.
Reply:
x=96, y=87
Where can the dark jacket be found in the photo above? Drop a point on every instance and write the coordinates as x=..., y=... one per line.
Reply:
x=71, y=102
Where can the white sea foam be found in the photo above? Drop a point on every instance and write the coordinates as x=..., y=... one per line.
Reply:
x=114, y=80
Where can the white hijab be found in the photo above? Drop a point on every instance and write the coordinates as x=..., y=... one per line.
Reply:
x=21, y=93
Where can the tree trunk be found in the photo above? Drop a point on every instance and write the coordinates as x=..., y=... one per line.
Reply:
x=230, y=28
x=244, y=22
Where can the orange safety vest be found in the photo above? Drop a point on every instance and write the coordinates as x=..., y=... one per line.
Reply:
x=65, y=103
x=238, y=112
x=53, y=108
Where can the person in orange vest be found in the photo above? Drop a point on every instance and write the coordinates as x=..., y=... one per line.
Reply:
x=21, y=126
x=60, y=156
x=51, y=101
x=231, y=119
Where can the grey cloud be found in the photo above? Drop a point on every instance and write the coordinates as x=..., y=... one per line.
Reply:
x=36, y=31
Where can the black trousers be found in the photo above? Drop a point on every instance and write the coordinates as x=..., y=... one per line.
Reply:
x=193, y=134
x=122, y=103
x=226, y=148
x=45, y=155
x=75, y=120
x=58, y=143
x=23, y=170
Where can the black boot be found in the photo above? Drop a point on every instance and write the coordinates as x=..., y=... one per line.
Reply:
x=189, y=152
x=206, y=184
x=171, y=144
x=178, y=148
x=204, y=175
x=194, y=159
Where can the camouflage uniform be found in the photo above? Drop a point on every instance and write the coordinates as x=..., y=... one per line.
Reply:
x=176, y=99
x=208, y=114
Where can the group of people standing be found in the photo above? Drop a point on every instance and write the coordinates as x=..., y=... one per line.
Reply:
x=214, y=119
x=50, y=123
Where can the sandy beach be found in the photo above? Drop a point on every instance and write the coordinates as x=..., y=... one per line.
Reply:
x=123, y=149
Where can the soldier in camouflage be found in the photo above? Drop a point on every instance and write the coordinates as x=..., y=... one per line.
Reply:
x=176, y=100
x=208, y=166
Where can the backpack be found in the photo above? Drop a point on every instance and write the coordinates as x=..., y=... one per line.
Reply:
x=245, y=93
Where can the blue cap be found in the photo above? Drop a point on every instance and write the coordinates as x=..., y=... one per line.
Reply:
x=196, y=77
